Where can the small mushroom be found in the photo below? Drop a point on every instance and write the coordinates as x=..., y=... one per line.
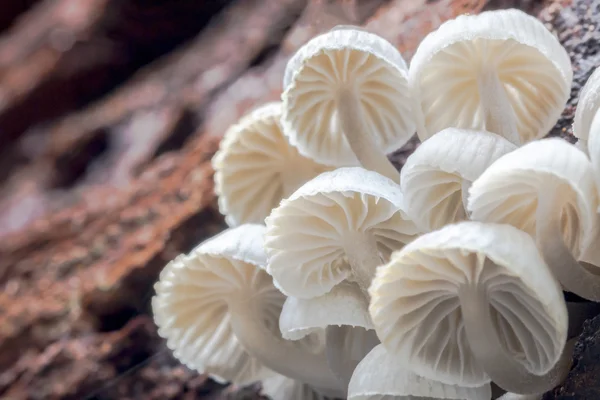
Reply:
x=256, y=167
x=337, y=227
x=345, y=304
x=501, y=71
x=379, y=376
x=346, y=100
x=435, y=179
x=219, y=311
x=587, y=110
x=545, y=188
x=343, y=315
x=473, y=302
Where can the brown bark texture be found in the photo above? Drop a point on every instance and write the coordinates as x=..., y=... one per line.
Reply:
x=110, y=111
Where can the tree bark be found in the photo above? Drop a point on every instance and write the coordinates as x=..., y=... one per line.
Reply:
x=110, y=111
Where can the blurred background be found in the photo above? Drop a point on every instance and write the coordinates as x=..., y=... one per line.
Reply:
x=110, y=111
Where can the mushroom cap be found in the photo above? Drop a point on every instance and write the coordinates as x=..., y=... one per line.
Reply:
x=440, y=169
x=349, y=58
x=252, y=166
x=509, y=190
x=533, y=67
x=193, y=296
x=344, y=314
x=587, y=106
x=345, y=304
x=309, y=234
x=379, y=376
x=417, y=313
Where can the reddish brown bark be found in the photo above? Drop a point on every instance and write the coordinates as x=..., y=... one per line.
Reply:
x=105, y=167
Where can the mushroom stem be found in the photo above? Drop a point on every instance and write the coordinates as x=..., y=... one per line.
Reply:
x=345, y=347
x=465, y=185
x=565, y=267
x=486, y=345
x=334, y=350
x=359, y=138
x=364, y=258
x=498, y=113
x=280, y=355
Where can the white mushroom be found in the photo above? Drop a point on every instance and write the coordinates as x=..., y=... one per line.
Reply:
x=587, y=110
x=219, y=311
x=545, y=188
x=501, y=71
x=435, y=179
x=256, y=167
x=324, y=243
x=337, y=227
x=379, y=376
x=345, y=304
x=473, y=302
x=346, y=100
x=343, y=315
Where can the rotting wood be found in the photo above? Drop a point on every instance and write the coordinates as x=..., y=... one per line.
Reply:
x=76, y=283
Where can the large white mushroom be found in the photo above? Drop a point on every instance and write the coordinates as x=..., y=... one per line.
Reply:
x=337, y=227
x=501, y=71
x=219, y=311
x=473, y=302
x=545, y=188
x=346, y=100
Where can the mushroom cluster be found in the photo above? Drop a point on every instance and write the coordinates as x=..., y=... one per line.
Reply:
x=341, y=277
